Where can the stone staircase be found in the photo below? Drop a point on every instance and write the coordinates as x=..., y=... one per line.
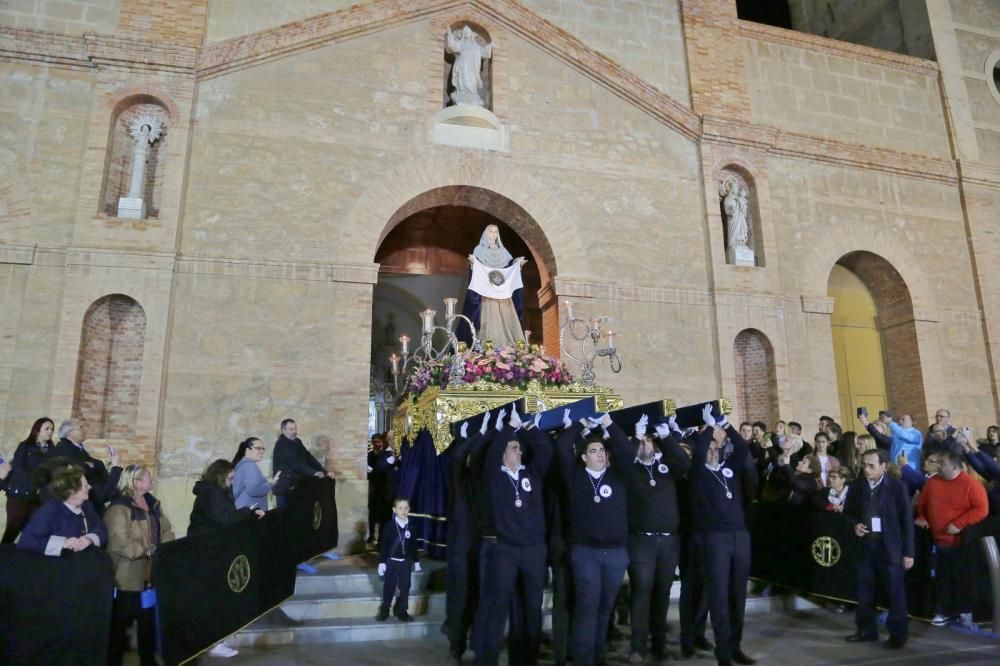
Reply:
x=338, y=603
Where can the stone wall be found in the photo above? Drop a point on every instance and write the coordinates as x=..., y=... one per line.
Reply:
x=61, y=16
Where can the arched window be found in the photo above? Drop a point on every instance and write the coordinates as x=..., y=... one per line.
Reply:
x=756, y=383
x=110, y=367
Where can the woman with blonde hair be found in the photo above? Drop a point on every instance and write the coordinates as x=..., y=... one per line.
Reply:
x=136, y=527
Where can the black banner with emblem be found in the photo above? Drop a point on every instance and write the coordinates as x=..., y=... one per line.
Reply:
x=817, y=552
x=55, y=610
x=311, y=519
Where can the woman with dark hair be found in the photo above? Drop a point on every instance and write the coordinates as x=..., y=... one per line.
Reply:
x=850, y=457
x=250, y=486
x=992, y=442
x=136, y=527
x=214, y=505
x=22, y=494
x=804, y=480
x=67, y=521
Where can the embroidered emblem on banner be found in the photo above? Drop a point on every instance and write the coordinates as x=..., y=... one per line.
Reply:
x=317, y=515
x=826, y=551
x=239, y=574
x=526, y=485
x=605, y=491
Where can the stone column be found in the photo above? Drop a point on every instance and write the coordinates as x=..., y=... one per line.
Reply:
x=145, y=130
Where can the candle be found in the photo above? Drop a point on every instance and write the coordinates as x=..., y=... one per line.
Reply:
x=569, y=309
x=449, y=307
x=610, y=335
x=596, y=324
x=394, y=359
x=404, y=341
x=428, y=317
x=527, y=337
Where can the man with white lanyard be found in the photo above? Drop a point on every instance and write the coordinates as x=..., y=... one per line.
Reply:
x=721, y=538
x=520, y=552
x=653, y=520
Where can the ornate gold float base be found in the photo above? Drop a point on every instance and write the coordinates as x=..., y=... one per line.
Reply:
x=436, y=409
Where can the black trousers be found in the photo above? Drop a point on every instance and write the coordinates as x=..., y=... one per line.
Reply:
x=953, y=589
x=876, y=566
x=562, y=605
x=397, y=576
x=126, y=609
x=514, y=570
x=19, y=510
x=652, y=562
x=725, y=558
x=694, y=595
x=462, y=593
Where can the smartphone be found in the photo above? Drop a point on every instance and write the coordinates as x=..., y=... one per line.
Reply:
x=111, y=451
x=863, y=411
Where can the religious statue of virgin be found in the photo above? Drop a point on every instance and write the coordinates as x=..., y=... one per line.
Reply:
x=494, y=297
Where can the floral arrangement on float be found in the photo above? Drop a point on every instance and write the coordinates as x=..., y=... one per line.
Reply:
x=512, y=366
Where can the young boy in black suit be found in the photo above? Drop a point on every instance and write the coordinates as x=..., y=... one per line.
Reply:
x=397, y=560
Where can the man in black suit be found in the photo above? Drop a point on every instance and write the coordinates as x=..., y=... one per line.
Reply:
x=293, y=460
x=103, y=484
x=879, y=507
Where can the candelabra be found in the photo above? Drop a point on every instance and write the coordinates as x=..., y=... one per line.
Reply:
x=588, y=334
x=426, y=352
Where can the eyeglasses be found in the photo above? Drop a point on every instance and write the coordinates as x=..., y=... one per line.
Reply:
x=259, y=448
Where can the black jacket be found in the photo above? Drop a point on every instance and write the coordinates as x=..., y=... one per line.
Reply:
x=103, y=484
x=293, y=460
x=214, y=507
x=27, y=457
x=894, y=511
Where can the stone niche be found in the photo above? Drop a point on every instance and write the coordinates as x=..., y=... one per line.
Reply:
x=740, y=213
x=135, y=159
x=466, y=119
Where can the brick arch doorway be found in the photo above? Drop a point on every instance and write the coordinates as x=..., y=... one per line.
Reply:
x=875, y=346
x=422, y=260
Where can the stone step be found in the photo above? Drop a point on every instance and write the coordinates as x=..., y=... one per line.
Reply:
x=349, y=606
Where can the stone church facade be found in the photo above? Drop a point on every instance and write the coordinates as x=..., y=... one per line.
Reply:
x=296, y=136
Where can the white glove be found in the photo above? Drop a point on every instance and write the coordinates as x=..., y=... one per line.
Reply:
x=605, y=434
x=662, y=431
x=706, y=416
x=538, y=418
x=381, y=569
x=485, y=424
x=566, y=420
x=503, y=413
x=605, y=419
x=464, y=430
x=515, y=419
x=587, y=426
x=672, y=423
x=416, y=567
x=640, y=426
x=370, y=470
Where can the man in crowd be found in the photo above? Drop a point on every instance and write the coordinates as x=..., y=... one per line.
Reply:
x=293, y=460
x=951, y=501
x=103, y=484
x=943, y=418
x=879, y=508
x=653, y=542
x=381, y=461
x=906, y=440
x=720, y=532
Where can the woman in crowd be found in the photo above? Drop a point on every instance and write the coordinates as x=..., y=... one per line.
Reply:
x=136, y=527
x=22, y=495
x=250, y=486
x=837, y=483
x=214, y=507
x=991, y=444
x=67, y=521
x=827, y=462
x=802, y=482
x=849, y=457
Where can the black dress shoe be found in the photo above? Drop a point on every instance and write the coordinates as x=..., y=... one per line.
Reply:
x=858, y=637
x=895, y=642
x=687, y=651
x=404, y=617
x=703, y=644
x=725, y=662
x=382, y=615
x=741, y=658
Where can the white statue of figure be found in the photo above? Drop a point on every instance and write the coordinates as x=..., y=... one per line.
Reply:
x=734, y=203
x=146, y=130
x=465, y=76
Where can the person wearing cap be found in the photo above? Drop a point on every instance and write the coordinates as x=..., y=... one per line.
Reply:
x=520, y=555
x=720, y=532
x=653, y=542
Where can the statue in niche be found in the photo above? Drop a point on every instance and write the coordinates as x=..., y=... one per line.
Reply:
x=494, y=299
x=465, y=72
x=735, y=205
